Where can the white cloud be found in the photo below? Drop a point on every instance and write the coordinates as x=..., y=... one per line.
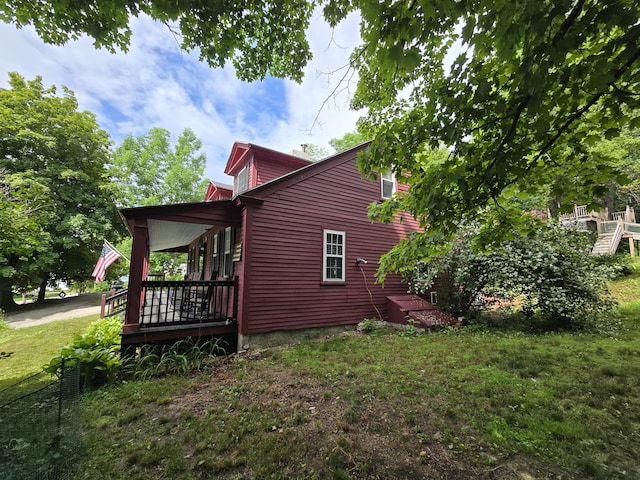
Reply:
x=156, y=84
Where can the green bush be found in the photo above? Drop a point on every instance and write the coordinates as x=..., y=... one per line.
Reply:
x=96, y=351
x=618, y=265
x=550, y=276
x=370, y=325
x=557, y=280
x=458, y=275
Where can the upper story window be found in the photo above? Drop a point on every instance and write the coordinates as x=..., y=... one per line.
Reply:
x=241, y=181
x=333, y=256
x=387, y=183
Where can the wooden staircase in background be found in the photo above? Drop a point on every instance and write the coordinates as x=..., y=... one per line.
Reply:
x=610, y=232
x=609, y=236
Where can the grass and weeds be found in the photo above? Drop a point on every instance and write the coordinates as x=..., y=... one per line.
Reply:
x=447, y=405
x=181, y=358
x=39, y=422
x=479, y=402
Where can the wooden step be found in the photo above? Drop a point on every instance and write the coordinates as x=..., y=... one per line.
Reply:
x=406, y=309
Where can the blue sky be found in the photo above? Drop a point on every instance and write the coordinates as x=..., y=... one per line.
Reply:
x=155, y=84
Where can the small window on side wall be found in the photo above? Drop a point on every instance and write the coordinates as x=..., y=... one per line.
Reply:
x=387, y=183
x=333, y=256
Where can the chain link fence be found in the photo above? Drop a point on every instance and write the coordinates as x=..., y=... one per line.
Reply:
x=40, y=427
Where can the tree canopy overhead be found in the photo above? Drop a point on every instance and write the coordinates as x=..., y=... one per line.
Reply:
x=533, y=83
x=258, y=37
x=515, y=92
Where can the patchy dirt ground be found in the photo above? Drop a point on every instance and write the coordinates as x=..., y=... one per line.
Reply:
x=360, y=437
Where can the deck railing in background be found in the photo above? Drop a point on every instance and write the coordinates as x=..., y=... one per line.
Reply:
x=114, y=305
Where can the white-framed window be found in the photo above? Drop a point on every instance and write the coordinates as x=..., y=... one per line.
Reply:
x=227, y=253
x=387, y=183
x=215, y=257
x=242, y=179
x=333, y=253
x=434, y=298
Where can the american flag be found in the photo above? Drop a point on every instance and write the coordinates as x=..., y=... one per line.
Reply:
x=107, y=257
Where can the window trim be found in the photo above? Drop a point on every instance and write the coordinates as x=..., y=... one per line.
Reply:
x=326, y=256
x=383, y=180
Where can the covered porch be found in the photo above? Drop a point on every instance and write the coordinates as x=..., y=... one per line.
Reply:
x=205, y=303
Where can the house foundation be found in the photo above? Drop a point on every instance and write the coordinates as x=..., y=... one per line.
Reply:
x=259, y=341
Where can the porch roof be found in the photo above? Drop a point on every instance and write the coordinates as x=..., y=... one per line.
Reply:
x=174, y=227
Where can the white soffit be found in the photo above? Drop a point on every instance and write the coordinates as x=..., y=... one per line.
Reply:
x=164, y=234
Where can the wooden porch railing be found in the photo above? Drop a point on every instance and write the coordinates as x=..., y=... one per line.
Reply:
x=113, y=305
x=173, y=303
x=580, y=212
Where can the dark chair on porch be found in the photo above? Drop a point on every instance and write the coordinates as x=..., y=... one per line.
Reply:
x=196, y=304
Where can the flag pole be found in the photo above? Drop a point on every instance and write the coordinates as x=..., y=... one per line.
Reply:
x=116, y=250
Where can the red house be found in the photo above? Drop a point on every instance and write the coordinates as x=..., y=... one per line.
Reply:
x=283, y=251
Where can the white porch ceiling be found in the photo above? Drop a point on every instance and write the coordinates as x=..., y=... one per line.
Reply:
x=165, y=234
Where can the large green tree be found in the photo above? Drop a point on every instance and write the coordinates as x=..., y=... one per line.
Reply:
x=60, y=153
x=347, y=141
x=24, y=205
x=151, y=170
x=514, y=91
x=623, y=152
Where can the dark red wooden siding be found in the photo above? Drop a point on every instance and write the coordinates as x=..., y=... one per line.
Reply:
x=283, y=274
x=268, y=169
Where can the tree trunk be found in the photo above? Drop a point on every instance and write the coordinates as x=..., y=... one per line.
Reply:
x=552, y=206
x=7, y=303
x=42, y=289
x=609, y=199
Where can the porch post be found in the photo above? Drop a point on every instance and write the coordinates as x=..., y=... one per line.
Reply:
x=236, y=282
x=139, y=265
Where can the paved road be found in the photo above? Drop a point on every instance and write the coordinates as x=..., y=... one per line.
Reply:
x=56, y=309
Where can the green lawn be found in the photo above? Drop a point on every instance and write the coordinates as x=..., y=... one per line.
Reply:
x=471, y=403
x=474, y=403
x=25, y=350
